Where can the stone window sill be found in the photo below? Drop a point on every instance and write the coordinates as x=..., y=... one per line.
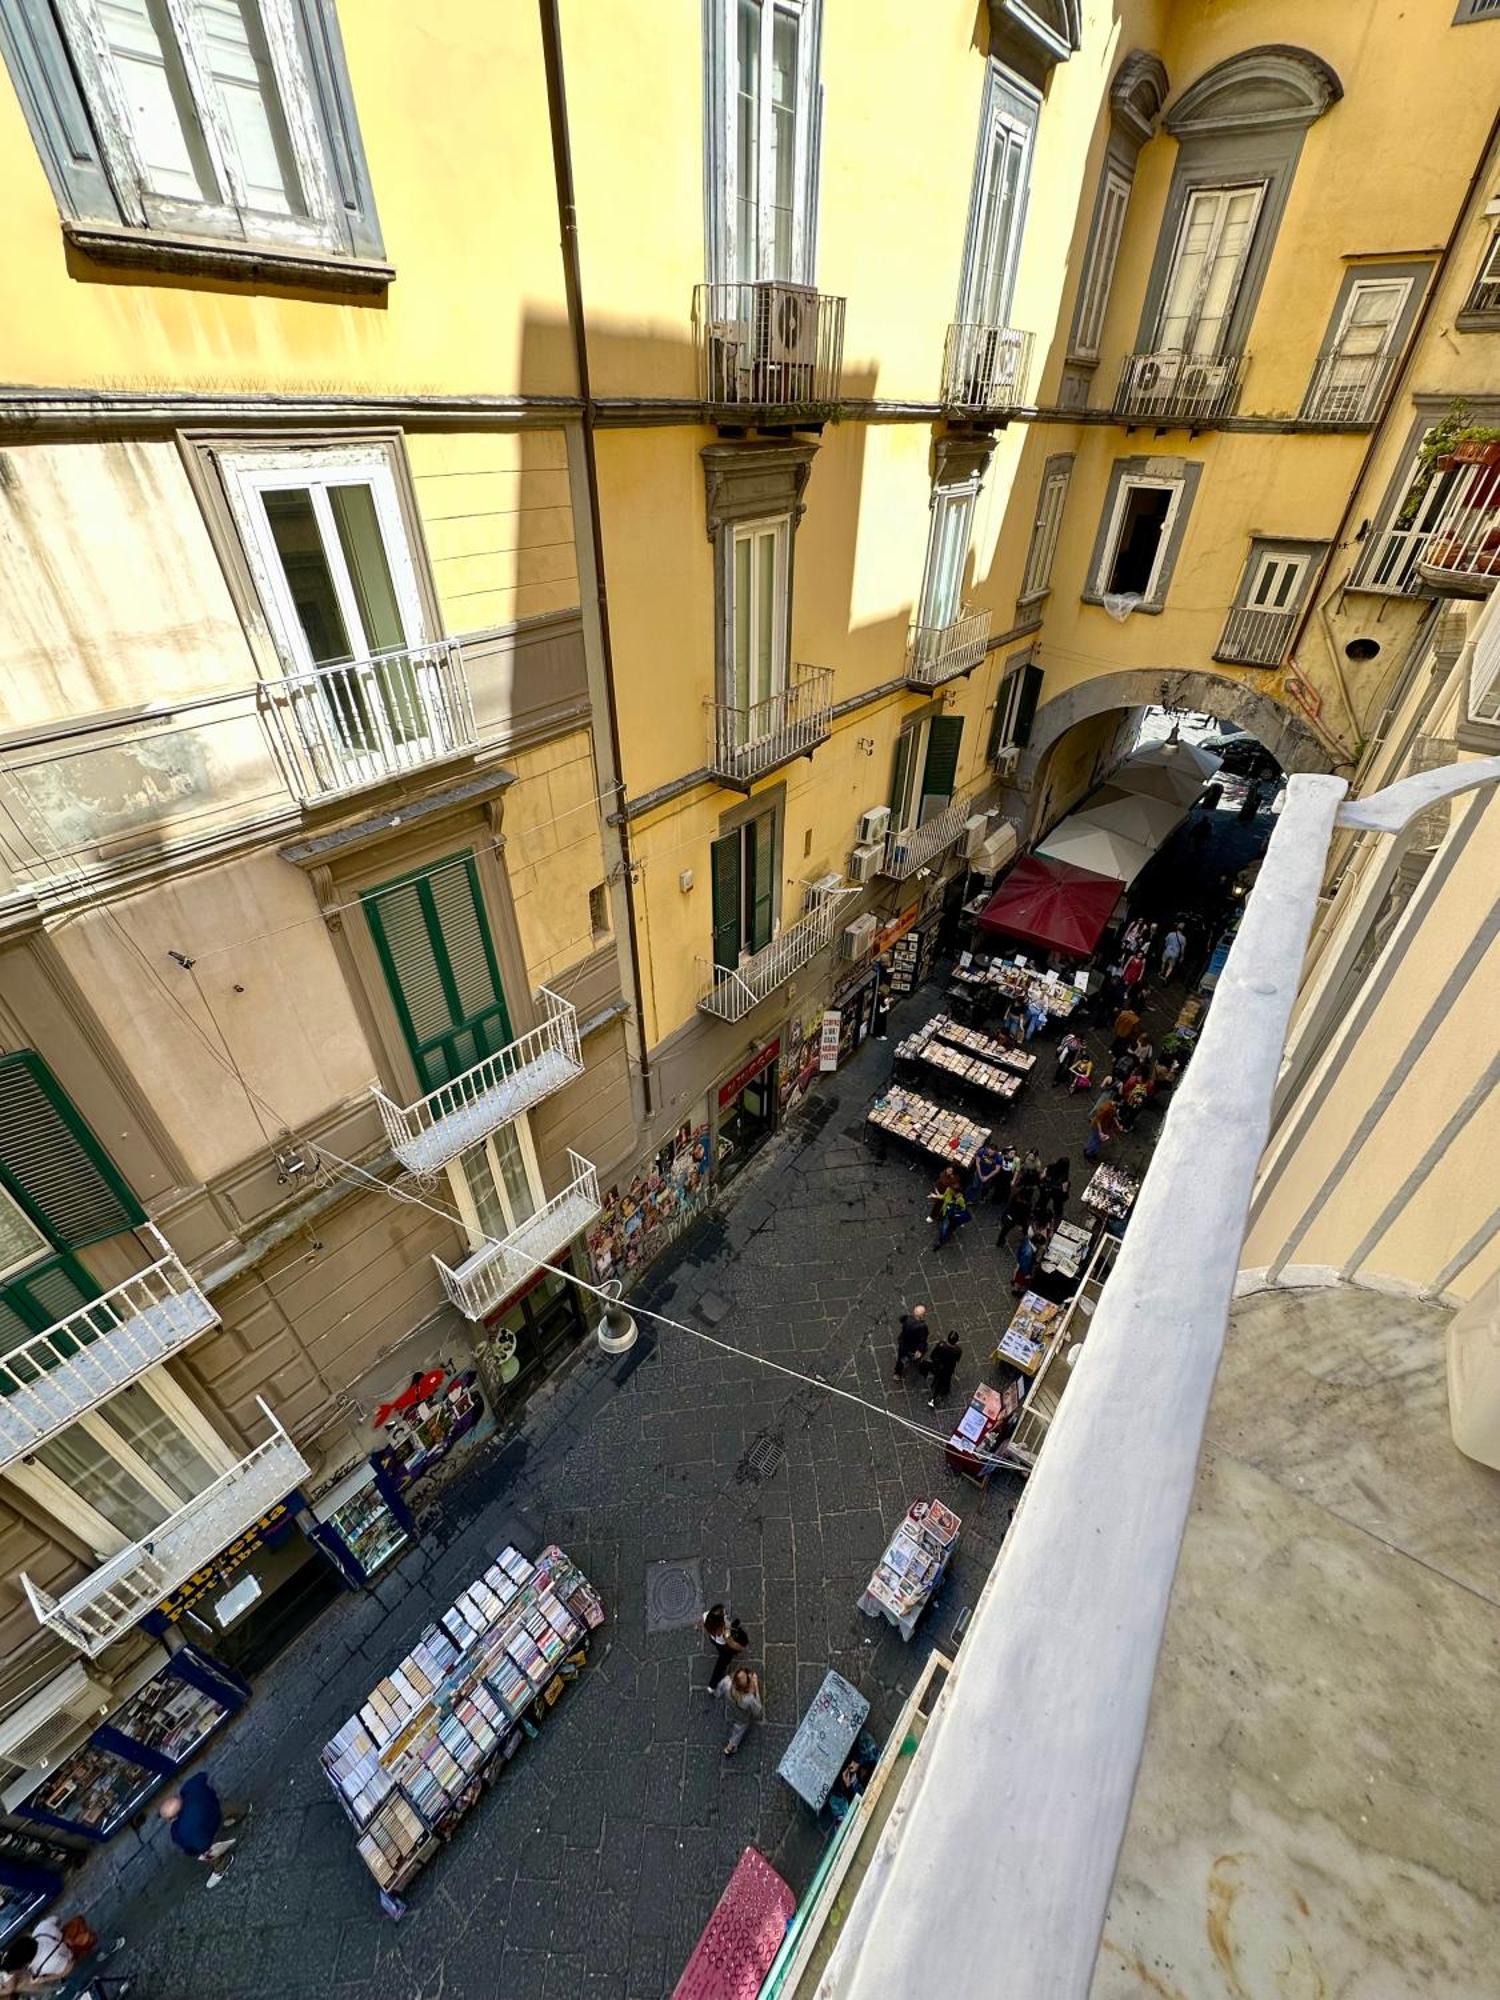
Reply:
x=203, y=257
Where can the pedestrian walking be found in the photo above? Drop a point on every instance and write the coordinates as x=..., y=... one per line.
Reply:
x=198, y=1817
x=911, y=1339
x=1103, y=1126
x=1036, y=1013
x=728, y=1638
x=39, y=1960
x=945, y=1358
x=742, y=1698
x=949, y=1178
x=1134, y=973
x=1127, y=1021
x=1018, y=1213
x=1030, y=1172
x=1133, y=1100
x=1173, y=945
x=952, y=1213
x=1057, y=1185
x=882, y=999
x=1028, y=1256
x=1069, y=1048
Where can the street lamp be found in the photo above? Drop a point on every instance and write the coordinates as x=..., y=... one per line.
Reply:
x=616, y=1332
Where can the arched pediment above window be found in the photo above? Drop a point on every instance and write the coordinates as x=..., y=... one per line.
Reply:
x=1052, y=29
x=1137, y=94
x=1258, y=90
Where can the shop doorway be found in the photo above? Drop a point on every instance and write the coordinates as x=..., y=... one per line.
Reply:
x=258, y=1596
x=747, y=1112
x=530, y=1337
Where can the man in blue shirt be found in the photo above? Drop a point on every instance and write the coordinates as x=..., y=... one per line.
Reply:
x=197, y=1818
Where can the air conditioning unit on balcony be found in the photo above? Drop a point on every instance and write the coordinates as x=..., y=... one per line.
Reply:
x=864, y=862
x=784, y=327
x=1007, y=760
x=859, y=937
x=976, y=826
x=996, y=850
x=874, y=824
x=817, y=893
x=1204, y=383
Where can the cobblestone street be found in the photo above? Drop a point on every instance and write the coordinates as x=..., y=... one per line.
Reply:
x=592, y=1866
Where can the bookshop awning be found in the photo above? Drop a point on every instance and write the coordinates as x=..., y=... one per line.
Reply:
x=1052, y=905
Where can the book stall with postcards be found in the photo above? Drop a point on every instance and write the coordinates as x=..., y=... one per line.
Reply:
x=32, y=1868
x=987, y=1047
x=443, y=1724
x=365, y=1514
x=908, y=1574
x=1111, y=1193
x=1024, y=1341
x=912, y=954
x=965, y=1071
x=974, y=1448
x=1059, y=1265
x=948, y=1136
x=995, y=981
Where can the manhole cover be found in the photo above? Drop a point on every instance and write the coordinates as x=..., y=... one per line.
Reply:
x=764, y=1458
x=674, y=1595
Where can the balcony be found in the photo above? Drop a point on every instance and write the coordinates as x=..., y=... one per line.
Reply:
x=919, y=846
x=938, y=653
x=1347, y=388
x=1253, y=637
x=985, y=367
x=1176, y=388
x=447, y=1121
x=1459, y=556
x=729, y=992
x=57, y=1376
x=493, y=1273
x=764, y=343
x=107, y=1603
x=341, y=728
x=745, y=743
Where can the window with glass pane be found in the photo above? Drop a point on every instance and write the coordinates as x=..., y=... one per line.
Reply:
x=1277, y=582
x=1099, y=271
x=515, y=1177
x=1356, y=370
x=998, y=204
x=759, y=622
x=20, y=1239
x=1046, y=529
x=134, y=1415
x=480, y=1182
x=947, y=551
x=98, y=1479
x=768, y=149
x=1213, y=243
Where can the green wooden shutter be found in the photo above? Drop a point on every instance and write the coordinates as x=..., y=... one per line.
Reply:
x=1031, y=690
x=726, y=887
x=439, y=964
x=36, y=1300
x=906, y=744
x=52, y=1165
x=760, y=838
x=940, y=772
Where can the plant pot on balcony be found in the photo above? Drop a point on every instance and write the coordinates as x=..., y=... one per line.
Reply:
x=1471, y=451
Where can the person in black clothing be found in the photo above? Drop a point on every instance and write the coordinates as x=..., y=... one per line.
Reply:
x=1018, y=1212
x=911, y=1340
x=728, y=1638
x=1056, y=1187
x=941, y=1363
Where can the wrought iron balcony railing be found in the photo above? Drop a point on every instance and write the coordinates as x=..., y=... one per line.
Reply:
x=447, y=1121
x=110, y=1600
x=745, y=743
x=50, y=1380
x=1347, y=388
x=731, y=991
x=768, y=343
x=917, y=847
x=1176, y=388
x=1460, y=554
x=1253, y=637
x=340, y=728
x=936, y=653
x=497, y=1269
x=985, y=367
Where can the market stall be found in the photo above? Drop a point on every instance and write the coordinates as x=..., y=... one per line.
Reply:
x=911, y=955
x=1111, y=1193
x=1066, y=1253
x=908, y=1574
x=1024, y=1341
x=992, y=981
x=363, y=1515
x=984, y=1426
x=946, y=1135
x=825, y=1736
x=1022, y=1061
x=955, y=1066
x=740, y=1941
x=1052, y=906
x=1081, y=843
x=442, y=1724
x=31, y=1874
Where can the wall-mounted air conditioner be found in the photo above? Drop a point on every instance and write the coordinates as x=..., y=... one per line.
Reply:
x=997, y=849
x=859, y=937
x=874, y=824
x=864, y=862
x=784, y=325
x=1007, y=761
x=976, y=826
x=43, y=1729
x=817, y=893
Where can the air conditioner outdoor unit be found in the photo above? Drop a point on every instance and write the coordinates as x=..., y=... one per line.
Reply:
x=1007, y=760
x=817, y=893
x=975, y=829
x=47, y=1725
x=859, y=936
x=784, y=326
x=864, y=862
x=999, y=848
x=874, y=824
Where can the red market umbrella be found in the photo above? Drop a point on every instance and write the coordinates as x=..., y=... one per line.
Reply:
x=1052, y=905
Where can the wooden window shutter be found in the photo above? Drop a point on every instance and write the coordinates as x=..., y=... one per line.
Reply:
x=439, y=964
x=940, y=772
x=328, y=81
x=52, y=1165
x=761, y=837
x=906, y=744
x=726, y=890
x=1031, y=691
x=42, y=73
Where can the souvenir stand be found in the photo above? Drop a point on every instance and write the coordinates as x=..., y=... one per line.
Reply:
x=911, y=956
x=445, y=1721
x=973, y=1449
x=946, y=1135
x=1024, y=1341
x=1111, y=1193
x=993, y=982
x=912, y=1567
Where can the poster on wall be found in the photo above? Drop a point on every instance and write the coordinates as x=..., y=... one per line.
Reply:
x=799, y=1059
x=638, y=1221
x=828, y=1039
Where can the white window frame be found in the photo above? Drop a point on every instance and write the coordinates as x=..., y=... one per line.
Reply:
x=722, y=96
x=463, y=1197
x=57, y=1498
x=1339, y=401
x=779, y=528
x=1099, y=267
x=1411, y=540
x=987, y=283
x=42, y=1247
x=1224, y=190
x=948, y=503
x=1127, y=485
x=1482, y=694
x=1046, y=531
x=1008, y=702
x=319, y=225
x=1484, y=293
x=1296, y=563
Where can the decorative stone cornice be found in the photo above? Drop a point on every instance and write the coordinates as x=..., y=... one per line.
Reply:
x=746, y=482
x=1258, y=90
x=1136, y=96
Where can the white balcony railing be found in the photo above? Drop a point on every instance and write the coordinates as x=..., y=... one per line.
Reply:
x=985, y=367
x=496, y=1270
x=766, y=342
x=110, y=1600
x=1174, y=388
x=55, y=1377
x=918, y=846
x=730, y=991
x=1255, y=637
x=936, y=653
x=1347, y=388
x=447, y=1121
x=340, y=728
x=744, y=743
x=1460, y=555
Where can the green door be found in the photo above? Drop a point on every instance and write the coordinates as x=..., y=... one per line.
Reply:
x=439, y=964
x=744, y=889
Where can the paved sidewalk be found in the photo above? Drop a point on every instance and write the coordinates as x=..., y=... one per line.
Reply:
x=592, y=1866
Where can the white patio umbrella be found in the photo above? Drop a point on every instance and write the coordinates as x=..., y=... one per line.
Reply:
x=1135, y=814
x=1179, y=779
x=1096, y=848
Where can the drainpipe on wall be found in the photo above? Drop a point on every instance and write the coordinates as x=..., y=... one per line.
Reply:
x=567, y=217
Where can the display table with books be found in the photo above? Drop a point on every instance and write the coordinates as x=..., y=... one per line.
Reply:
x=989, y=1047
x=445, y=1721
x=979, y=1433
x=947, y=1135
x=911, y=1569
x=1111, y=1192
x=957, y=1066
x=1024, y=1341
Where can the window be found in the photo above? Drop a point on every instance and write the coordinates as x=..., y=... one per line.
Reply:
x=439, y=964
x=997, y=209
x=947, y=551
x=1440, y=497
x=1099, y=264
x=498, y=1185
x=1352, y=373
x=1258, y=629
x=926, y=770
x=759, y=621
x=1015, y=708
x=1208, y=262
x=599, y=910
x=1476, y=10
x=51, y=1165
x=1036, y=580
x=228, y=120
x=1138, y=537
x=20, y=1239
x=1485, y=297
x=762, y=165
x=745, y=864
x=1276, y=581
